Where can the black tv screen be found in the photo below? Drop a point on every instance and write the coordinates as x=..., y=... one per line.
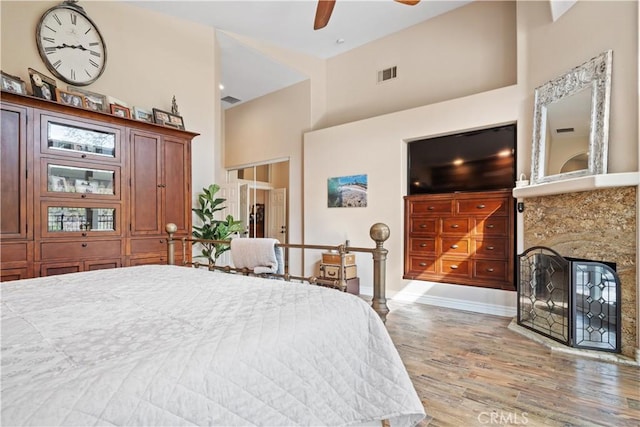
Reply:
x=481, y=160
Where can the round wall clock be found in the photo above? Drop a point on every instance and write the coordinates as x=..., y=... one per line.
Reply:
x=70, y=44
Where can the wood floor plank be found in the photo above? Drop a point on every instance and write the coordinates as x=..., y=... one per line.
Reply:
x=469, y=369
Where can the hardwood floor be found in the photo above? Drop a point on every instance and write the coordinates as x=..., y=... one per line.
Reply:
x=470, y=370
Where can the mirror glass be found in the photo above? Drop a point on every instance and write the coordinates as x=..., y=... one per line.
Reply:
x=571, y=123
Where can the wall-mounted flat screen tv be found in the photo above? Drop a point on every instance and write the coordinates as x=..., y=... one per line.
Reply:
x=480, y=160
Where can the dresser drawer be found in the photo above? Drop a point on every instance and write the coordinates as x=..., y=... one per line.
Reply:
x=491, y=248
x=455, y=225
x=80, y=249
x=454, y=267
x=148, y=245
x=483, y=207
x=492, y=270
x=14, y=252
x=456, y=246
x=492, y=226
x=430, y=207
x=419, y=226
x=418, y=264
x=422, y=245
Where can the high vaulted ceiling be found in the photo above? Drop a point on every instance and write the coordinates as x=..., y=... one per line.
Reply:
x=247, y=74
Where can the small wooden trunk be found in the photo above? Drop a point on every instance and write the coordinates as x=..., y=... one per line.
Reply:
x=332, y=271
x=334, y=258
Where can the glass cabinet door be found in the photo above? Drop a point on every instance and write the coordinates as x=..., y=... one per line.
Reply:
x=87, y=181
x=81, y=219
x=80, y=140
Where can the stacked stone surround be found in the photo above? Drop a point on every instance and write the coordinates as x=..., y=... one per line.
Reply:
x=599, y=225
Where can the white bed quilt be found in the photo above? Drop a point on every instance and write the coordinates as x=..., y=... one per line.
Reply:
x=166, y=345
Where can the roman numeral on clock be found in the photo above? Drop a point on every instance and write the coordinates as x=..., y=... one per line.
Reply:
x=50, y=50
x=73, y=74
x=57, y=19
x=92, y=62
x=48, y=39
x=74, y=18
x=57, y=64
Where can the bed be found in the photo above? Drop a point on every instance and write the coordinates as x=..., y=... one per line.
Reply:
x=171, y=345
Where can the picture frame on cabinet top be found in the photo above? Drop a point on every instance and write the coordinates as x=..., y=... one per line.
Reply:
x=93, y=101
x=70, y=98
x=13, y=84
x=42, y=86
x=143, y=115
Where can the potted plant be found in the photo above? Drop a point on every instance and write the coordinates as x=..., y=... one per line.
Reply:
x=212, y=228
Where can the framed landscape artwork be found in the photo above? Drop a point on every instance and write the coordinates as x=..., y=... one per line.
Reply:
x=347, y=192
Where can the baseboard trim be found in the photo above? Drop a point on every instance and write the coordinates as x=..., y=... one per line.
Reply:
x=458, y=304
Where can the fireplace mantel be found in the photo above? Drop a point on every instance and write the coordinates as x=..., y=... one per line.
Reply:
x=574, y=185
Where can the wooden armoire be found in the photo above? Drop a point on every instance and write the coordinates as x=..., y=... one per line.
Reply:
x=85, y=190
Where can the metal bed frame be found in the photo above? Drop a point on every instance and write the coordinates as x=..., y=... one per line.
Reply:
x=378, y=232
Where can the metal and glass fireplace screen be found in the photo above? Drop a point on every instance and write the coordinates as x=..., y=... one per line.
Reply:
x=573, y=301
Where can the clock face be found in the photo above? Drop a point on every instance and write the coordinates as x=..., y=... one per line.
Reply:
x=71, y=45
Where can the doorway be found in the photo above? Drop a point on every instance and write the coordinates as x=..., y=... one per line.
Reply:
x=256, y=195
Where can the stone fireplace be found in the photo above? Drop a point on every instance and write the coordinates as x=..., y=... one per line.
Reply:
x=598, y=225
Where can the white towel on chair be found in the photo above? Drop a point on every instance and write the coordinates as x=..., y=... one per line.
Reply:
x=257, y=254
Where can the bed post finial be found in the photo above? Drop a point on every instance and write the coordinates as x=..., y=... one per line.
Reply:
x=171, y=250
x=379, y=232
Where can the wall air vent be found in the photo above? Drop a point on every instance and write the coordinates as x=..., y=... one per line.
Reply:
x=230, y=99
x=564, y=130
x=387, y=74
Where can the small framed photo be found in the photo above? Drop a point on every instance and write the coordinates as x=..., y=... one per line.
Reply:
x=58, y=184
x=168, y=119
x=142, y=115
x=86, y=187
x=120, y=111
x=114, y=100
x=42, y=86
x=13, y=84
x=70, y=98
x=92, y=101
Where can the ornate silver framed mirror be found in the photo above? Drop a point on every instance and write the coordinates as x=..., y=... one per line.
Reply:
x=571, y=123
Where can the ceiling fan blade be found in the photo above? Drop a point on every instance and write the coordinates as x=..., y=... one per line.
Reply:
x=408, y=2
x=323, y=13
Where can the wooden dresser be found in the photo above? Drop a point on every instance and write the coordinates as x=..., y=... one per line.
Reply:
x=461, y=238
x=85, y=190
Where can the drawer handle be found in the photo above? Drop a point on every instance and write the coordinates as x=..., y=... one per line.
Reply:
x=481, y=206
x=490, y=270
x=454, y=246
x=491, y=226
x=423, y=264
x=161, y=241
x=84, y=245
x=430, y=208
x=490, y=248
x=454, y=226
x=423, y=245
x=84, y=234
x=423, y=225
x=454, y=267
x=84, y=196
x=84, y=156
x=331, y=273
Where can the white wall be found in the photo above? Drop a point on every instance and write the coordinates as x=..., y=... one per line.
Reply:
x=469, y=50
x=270, y=128
x=377, y=147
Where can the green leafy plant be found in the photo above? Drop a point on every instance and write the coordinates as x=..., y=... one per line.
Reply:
x=212, y=228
